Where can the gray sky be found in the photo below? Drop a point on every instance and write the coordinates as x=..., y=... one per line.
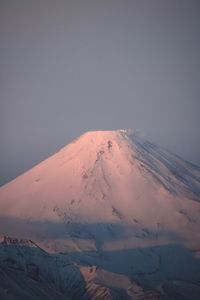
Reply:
x=71, y=66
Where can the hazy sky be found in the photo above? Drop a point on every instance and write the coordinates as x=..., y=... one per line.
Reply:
x=71, y=66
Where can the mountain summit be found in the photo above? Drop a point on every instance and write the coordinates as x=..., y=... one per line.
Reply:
x=104, y=177
x=114, y=200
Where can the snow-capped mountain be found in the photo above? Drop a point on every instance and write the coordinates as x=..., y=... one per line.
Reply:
x=113, y=200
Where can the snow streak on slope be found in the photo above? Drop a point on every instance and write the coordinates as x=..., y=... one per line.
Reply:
x=112, y=199
x=176, y=174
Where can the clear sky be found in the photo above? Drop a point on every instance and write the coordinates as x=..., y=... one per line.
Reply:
x=71, y=66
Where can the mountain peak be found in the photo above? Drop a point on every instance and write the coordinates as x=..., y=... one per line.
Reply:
x=105, y=139
x=102, y=177
x=100, y=134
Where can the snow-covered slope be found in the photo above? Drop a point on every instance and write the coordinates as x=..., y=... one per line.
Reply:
x=112, y=199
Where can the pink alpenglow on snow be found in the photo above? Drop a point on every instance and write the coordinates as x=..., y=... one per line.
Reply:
x=114, y=200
